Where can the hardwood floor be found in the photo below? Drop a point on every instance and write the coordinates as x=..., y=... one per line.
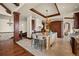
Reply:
x=9, y=48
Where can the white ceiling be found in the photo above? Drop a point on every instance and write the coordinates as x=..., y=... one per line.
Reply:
x=10, y=6
x=46, y=9
x=64, y=8
x=25, y=10
x=3, y=11
x=67, y=8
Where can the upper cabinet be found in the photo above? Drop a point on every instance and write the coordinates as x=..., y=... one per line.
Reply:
x=76, y=20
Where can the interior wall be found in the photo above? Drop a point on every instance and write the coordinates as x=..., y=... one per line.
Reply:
x=23, y=25
x=6, y=30
x=38, y=24
x=71, y=22
x=29, y=26
x=4, y=27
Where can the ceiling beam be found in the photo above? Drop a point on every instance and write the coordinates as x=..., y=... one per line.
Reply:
x=16, y=4
x=7, y=10
x=57, y=8
x=68, y=17
x=57, y=14
x=35, y=11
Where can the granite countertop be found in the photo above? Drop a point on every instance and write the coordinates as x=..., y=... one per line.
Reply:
x=74, y=34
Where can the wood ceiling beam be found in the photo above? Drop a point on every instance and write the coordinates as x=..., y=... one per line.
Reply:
x=7, y=10
x=16, y=4
x=56, y=7
x=68, y=17
x=35, y=11
x=57, y=14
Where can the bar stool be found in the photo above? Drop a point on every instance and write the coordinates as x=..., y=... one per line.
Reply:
x=35, y=41
x=42, y=43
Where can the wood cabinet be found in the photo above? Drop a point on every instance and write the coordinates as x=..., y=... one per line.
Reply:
x=72, y=42
x=56, y=26
x=75, y=45
x=33, y=24
x=76, y=20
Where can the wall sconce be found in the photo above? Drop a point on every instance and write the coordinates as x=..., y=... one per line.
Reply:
x=10, y=23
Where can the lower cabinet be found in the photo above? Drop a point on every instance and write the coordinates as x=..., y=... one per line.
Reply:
x=75, y=46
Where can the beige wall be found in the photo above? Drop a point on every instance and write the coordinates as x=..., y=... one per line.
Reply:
x=38, y=20
x=23, y=25
x=6, y=31
x=29, y=26
x=71, y=22
x=4, y=27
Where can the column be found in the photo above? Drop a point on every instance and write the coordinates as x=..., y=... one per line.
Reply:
x=16, y=26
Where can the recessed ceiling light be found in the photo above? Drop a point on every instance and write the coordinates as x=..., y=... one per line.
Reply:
x=46, y=10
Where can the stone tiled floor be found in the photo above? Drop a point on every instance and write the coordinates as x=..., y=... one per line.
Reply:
x=60, y=48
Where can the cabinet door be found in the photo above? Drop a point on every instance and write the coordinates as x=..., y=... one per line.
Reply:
x=55, y=26
x=76, y=20
x=33, y=24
